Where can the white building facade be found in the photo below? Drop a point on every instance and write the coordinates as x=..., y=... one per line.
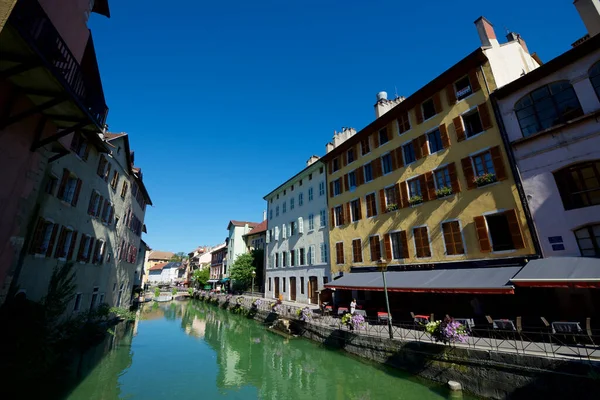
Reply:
x=236, y=246
x=165, y=274
x=298, y=236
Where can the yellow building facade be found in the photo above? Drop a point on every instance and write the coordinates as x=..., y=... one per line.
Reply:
x=428, y=181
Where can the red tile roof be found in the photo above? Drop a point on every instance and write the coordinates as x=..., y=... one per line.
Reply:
x=262, y=227
x=242, y=223
x=157, y=267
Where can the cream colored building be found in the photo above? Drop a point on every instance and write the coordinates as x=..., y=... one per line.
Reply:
x=154, y=257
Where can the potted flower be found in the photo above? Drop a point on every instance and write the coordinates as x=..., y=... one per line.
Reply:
x=304, y=314
x=256, y=303
x=485, y=179
x=391, y=207
x=443, y=192
x=447, y=331
x=354, y=322
x=416, y=199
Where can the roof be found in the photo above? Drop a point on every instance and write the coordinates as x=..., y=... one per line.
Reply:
x=467, y=280
x=262, y=227
x=316, y=164
x=157, y=267
x=560, y=272
x=242, y=223
x=111, y=136
x=557, y=63
x=160, y=255
x=218, y=247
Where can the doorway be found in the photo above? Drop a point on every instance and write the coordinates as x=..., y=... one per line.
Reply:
x=313, y=288
x=277, y=287
x=293, y=288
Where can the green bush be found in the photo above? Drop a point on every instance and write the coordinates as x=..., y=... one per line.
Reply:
x=174, y=291
x=156, y=292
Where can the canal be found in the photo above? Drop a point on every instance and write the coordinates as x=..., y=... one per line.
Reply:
x=192, y=350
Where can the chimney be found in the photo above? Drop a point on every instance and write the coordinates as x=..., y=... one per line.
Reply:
x=312, y=160
x=512, y=36
x=264, y=215
x=384, y=105
x=589, y=12
x=486, y=33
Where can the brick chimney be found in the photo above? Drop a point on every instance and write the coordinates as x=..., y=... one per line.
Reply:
x=589, y=12
x=486, y=32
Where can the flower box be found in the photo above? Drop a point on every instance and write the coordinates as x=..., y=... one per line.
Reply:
x=443, y=192
x=413, y=201
x=391, y=207
x=484, y=179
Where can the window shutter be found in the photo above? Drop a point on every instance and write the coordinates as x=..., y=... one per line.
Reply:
x=375, y=140
x=283, y=231
x=388, y=246
x=417, y=148
x=399, y=157
x=61, y=243
x=347, y=218
x=86, y=152
x=72, y=245
x=474, y=80
x=95, y=252
x=360, y=176
x=423, y=185
x=393, y=158
x=419, y=113
x=107, y=173
x=332, y=217
x=515, y=229
x=424, y=146
x=404, y=194
x=267, y=237
x=451, y=94
x=300, y=225
x=484, y=115
x=81, y=246
x=467, y=167
x=112, y=214
x=52, y=240
x=331, y=189
x=430, y=185
x=344, y=158
x=346, y=183
x=498, y=163
x=90, y=251
x=460, y=130
x=482, y=234
x=76, y=195
x=437, y=103
x=276, y=233
x=37, y=236
x=359, y=210
x=404, y=241
x=382, y=204
x=91, y=205
x=63, y=184
x=444, y=136
x=100, y=169
x=453, y=178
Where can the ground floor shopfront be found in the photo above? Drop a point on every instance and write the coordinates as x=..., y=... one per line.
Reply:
x=300, y=284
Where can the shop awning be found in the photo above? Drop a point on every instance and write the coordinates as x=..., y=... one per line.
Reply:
x=577, y=272
x=212, y=280
x=225, y=280
x=471, y=280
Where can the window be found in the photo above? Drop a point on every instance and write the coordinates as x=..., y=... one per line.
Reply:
x=276, y=260
x=284, y=207
x=453, y=238
x=44, y=238
x=293, y=258
x=85, y=248
x=292, y=188
x=383, y=136
x=277, y=211
x=310, y=194
x=398, y=242
x=64, y=243
x=414, y=188
x=350, y=155
x=124, y=189
x=368, y=169
x=392, y=197
x=311, y=222
x=364, y=146
x=301, y=285
x=403, y=123
x=292, y=228
x=292, y=203
x=547, y=106
x=483, y=164
x=310, y=177
x=588, y=240
x=302, y=260
x=102, y=166
x=339, y=215
x=115, y=180
x=77, y=305
x=300, y=182
x=428, y=108
x=51, y=184
x=355, y=212
x=472, y=123
x=270, y=287
x=339, y=253
x=462, y=88
x=336, y=164
x=595, y=78
x=98, y=252
x=409, y=153
x=321, y=170
x=283, y=280
x=352, y=179
x=579, y=185
x=311, y=254
x=284, y=259
x=435, y=141
x=375, y=246
x=371, y=205
x=321, y=188
x=386, y=161
x=323, y=218
x=323, y=248
x=357, y=251
x=337, y=187
x=442, y=178
x=422, y=242
x=500, y=233
x=300, y=199
x=271, y=214
x=68, y=193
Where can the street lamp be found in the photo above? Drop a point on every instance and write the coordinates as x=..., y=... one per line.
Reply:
x=253, y=275
x=382, y=266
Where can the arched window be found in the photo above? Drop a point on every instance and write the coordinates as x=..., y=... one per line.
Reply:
x=547, y=106
x=588, y=240
x=595, y=78
x=579, y=184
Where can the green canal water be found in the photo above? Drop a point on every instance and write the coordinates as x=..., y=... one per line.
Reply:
x=192, y=350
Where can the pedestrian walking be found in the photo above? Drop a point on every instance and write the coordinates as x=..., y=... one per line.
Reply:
x=353, y=306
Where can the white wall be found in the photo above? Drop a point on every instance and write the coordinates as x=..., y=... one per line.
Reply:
x=509, y=61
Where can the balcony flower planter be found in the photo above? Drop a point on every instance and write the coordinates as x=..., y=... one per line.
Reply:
x=485, y=179
x=443, y=192
x=391, y=207
x=413, y=201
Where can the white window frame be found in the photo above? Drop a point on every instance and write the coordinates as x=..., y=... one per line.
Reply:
x=382, y=164
x=462, y=121
x=335, y=214
x=352, y=216
x=409, y=125
x=322, y=218
x=365, y=173
x=321, y=188
x=310, y=193
x=392, y=243
x=311, y=222
x=323, y=251
x=489, y=233
x=403, y=156
x=300, y=199
x=462, y=236
x=76, y=305
x=344, y=255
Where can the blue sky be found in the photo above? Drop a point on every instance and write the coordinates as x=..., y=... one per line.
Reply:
x=223, y=101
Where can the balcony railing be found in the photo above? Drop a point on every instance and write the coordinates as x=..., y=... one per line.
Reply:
x=36, y=28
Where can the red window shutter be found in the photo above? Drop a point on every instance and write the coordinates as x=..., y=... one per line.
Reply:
x=63, y=184
x=331, y=189
x=58, y=252
x=437, y=103
x=484, y=115
x=460, y=130
x=347, y=218
x=36, y=239
x=404, y=194
x=52, y=240
x=332, y=217
x=76, y=195
x=482, y=234
x=418, y=243
x=474, y=80
x=453, y=178
x=374, y=205
x=444, y=136
x=467, y=167
x=515, y=229
x=423, y=185
x=72, y=245
x=424, y=146
x=393, y=158
x=388, y=246
x=399, y=157
x=346, y=183
x=416, y=144
x=448, y=238
x=419, y=113
x=498, y=163
x=430, y=185
x=382, y=204
x=451, y=94
x=404, y=241
x=107, y=173
x=359, y=209
x=377, y=168
x=360, y=176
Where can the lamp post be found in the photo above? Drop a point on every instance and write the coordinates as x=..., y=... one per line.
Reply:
x=382, y=266
x=253, y=275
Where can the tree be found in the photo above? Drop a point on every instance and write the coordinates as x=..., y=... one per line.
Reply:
x=241, y=270
x=179, y=256
x=200, y=277
x=259, y=267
